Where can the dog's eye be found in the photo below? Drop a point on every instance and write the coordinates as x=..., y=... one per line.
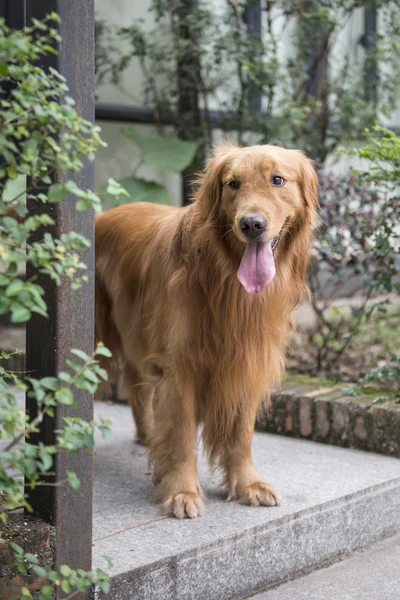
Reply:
x=278, y=181
x=234, y=184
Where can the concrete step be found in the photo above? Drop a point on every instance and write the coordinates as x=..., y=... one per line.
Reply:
x=335, y=500
x=369, y=574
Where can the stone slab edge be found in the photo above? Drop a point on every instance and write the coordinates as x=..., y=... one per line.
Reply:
x=325, y=414
x=264, y=556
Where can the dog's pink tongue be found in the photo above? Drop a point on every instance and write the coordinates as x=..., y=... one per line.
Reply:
x=257, y=267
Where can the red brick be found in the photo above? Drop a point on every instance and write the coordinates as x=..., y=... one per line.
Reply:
x=288, y=414
x=288, y=424
x=305, y=416
x=381, y=425
x=359, y=429
x=322, y=422
x=340, y=419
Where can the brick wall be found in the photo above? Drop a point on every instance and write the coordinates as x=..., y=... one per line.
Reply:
x=324, y=413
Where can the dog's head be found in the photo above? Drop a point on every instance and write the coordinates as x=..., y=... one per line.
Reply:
x=264, y=200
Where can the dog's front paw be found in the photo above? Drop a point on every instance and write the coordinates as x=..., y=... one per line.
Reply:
x=259, y=494
x=186, y=505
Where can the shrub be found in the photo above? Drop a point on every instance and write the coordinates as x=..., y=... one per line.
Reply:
x=356, y=251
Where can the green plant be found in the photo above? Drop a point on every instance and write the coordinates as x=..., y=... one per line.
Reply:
x=345, y=262
x=356, y=253
x=41, y=137
x=388, y=374
x=198, y=57
x=165, y=155
x=382, y=151
x=69, y=581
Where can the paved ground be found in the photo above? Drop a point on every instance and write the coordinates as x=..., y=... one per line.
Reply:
x=370, y=574
x=334, y=500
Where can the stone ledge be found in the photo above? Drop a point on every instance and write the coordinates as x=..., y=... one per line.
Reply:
x=321, y=411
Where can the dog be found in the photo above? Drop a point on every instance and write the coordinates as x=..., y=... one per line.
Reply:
x=195, y=303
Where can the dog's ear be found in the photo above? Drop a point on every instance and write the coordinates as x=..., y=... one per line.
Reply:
x=209, y=183
x=309, y=187
x=300, y=240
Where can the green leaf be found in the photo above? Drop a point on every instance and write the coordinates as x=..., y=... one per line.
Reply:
x=104, y=586
x=65, y=586
x=82, y=205
x=12, y=173
x=14, y=188
x=64, y=376
x=108, y=560
x=106, y=433
x=14, y=288
x=167, y=155
x=65, y=570
x=32, y=558
x=74, y=364
x=20, y=314
x=39, y=571
x=46, y=463
x=90, y=375
x=101, y=373
x=57, y=193
x=46, y=589
x=115, y=189
x=80, y=353
x=84, y=384
x=50, y=383
x=64, y=396
x=103, y=351
x=140, y=190
x=30, y=450
x=73, y=480
x=17, y=548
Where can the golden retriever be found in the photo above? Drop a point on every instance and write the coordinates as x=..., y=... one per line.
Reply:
x=195, y=303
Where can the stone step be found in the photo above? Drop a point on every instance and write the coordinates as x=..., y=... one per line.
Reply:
x=368, y=574
x=334, y=500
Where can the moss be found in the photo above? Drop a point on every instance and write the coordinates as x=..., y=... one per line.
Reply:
x=370, y=390
x=305, y=379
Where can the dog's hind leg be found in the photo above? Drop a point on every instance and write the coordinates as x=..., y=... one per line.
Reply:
x=140, y=397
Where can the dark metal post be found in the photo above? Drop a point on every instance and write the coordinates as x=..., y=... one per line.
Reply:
x=188, y=73
x=13, y=12
x=252, y=18
x=369, y=39
x=70, y=323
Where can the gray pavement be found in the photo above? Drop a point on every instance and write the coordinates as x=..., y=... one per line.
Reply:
x=369, y=574
x=335, y=500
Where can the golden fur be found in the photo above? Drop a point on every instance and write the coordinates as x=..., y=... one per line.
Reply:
x=195, y=347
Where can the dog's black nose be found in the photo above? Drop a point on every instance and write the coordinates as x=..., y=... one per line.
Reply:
x=253, y=225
